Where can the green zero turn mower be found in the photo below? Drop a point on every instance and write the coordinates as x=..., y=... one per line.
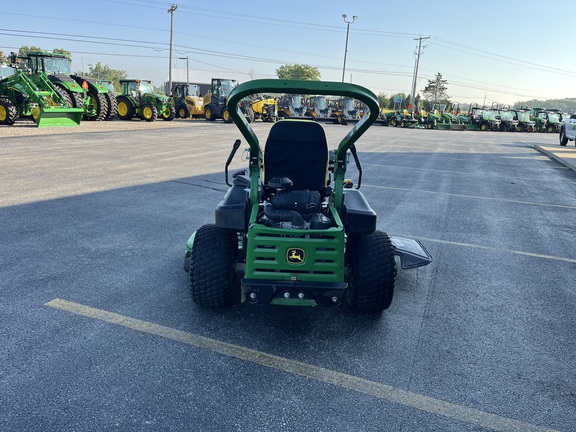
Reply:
x=291, y=230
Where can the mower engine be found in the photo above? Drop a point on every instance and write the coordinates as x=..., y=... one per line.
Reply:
x=293, y=209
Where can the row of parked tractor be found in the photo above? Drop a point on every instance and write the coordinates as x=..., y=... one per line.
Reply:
x=495, y=118
x=40, y=85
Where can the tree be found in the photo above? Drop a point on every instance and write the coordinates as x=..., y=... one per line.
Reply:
x=566, y=104
x=25, y=48
x=435, y=90
x=3, y=59
x=397, y=96
x=62, y=51
x=298, y=71
x=383, y=101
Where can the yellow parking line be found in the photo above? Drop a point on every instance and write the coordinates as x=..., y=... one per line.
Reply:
x=350, y=382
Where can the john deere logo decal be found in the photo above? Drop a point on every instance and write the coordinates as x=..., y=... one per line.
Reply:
x=295, y=256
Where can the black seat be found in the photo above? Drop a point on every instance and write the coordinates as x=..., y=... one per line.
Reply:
x=297, y=149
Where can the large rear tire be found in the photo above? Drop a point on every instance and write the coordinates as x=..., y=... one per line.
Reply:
x=74, y=99
x=8, y=112
x=99, y=103
x=212, y=273
x=65, y=96
x=112, y=106
x=371, y=281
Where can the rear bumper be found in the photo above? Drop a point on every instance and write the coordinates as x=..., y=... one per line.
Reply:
x=293, y=293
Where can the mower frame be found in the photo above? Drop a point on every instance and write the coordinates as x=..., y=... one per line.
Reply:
x=343, y=260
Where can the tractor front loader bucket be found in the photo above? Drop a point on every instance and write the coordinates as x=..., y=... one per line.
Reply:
x=57, y=116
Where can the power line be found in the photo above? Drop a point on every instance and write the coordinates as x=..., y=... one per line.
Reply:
x=160, y=47
x=504, y=59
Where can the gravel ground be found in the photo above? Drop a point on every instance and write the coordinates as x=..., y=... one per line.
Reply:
x=29, y=128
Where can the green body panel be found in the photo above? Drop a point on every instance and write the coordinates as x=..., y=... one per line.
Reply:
x=52, y=116
x=323, y=260
x=324, y=249
x=96, y=86
x=71, y=86
x=189, y=245
x=277, y=86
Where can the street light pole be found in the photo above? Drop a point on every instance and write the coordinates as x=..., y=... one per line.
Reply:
x=171, y=12
x=346, y=48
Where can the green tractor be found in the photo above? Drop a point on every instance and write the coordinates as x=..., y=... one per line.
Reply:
x=483, y=119
x=554, y=120
x=524, y=124
x=507, y=121
x=215, y=101
x=285, y=233
x=393, y=118
x=438, y=118
x=41, y=101
x=138, y=99
x=547, y=120
x=79, y=91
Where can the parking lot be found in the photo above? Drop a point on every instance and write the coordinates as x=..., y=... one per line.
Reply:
x=99, y=332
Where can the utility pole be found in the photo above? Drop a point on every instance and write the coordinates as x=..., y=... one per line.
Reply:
x=171, y=12
x=416, y=63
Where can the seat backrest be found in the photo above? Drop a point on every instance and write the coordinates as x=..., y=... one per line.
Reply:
x=297, y=149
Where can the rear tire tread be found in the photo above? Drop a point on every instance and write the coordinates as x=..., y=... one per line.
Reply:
x=371, y=283
x=211, y=266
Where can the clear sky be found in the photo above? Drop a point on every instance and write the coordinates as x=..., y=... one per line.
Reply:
x=488, y=51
